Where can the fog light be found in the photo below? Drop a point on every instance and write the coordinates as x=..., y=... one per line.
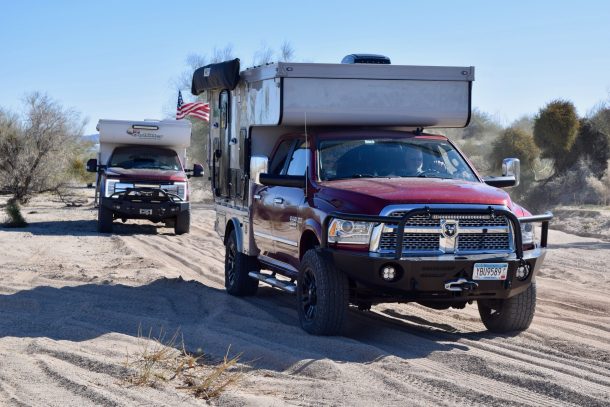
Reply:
x=523, y=272
x=388, y=273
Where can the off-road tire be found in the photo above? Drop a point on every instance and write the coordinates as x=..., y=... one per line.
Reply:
x=104, y=219
x=237, y=267
x=183, y=223
x=322, y=295
x=512, y=314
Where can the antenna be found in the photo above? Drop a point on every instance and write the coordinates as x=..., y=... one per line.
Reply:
x=307, y=156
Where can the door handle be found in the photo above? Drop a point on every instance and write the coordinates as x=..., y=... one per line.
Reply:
x=278, y=201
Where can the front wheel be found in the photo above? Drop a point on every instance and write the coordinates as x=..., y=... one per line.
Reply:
x=183, y=223
x=512, y=314
x=237, y=267
x=104, y=219
x=322, y=295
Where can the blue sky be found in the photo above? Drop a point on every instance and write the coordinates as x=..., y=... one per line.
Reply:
x=120, y=59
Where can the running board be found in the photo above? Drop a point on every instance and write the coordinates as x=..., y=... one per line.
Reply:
x=274, y=282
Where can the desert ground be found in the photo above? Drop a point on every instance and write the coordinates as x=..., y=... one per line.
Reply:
x=72, y=304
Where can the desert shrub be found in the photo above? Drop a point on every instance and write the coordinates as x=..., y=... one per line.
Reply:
x=576, y=186
x=35, y=151
x=15, y=218
x=555, y=130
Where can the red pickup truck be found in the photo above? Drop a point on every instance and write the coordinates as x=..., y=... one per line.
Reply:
x=371, y=216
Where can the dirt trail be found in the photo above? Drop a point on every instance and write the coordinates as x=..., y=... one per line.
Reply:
x=71, y=302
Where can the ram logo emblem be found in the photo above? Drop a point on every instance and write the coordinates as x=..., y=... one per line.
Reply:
x=449, y=228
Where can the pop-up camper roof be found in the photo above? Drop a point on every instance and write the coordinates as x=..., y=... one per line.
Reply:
x=285, y=93
x=174, y=133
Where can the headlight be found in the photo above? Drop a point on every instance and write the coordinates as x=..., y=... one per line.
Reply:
x=109, y=188
x=178, y=188
x=349, y=232
x=528, y=233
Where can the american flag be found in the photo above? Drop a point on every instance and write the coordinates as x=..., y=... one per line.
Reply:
x=196, y=109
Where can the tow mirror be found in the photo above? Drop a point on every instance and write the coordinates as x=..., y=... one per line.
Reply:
x=511, y=171
x=92, y=165
x=511, y=167
x=258, y=165
x=197, y=170
x=293, y=181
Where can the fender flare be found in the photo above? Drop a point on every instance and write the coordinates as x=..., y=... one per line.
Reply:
x=235, y=224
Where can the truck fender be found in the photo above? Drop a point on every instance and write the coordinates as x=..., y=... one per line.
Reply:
x=235, y=224
x=310, y=227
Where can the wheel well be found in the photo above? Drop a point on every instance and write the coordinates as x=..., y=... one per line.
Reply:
x=308, y=241
x=228, y=229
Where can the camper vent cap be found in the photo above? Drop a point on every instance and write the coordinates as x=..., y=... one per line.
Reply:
x=365, y=59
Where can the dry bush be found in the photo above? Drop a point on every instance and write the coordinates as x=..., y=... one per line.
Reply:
x=15, y=218
x=165, y=360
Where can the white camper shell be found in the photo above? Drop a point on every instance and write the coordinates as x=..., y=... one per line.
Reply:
x=172, y=134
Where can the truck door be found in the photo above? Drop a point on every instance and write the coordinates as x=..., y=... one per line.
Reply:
x=264, y=209
x=287, y=202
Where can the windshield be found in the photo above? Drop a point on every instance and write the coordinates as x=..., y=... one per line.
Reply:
x=145, y=158
x=387, y=158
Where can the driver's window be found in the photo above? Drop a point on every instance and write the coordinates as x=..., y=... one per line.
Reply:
x=298, y=161
x=279, y=158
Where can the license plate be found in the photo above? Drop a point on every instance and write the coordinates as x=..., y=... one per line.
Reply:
x=145, y=211
x=490, y=271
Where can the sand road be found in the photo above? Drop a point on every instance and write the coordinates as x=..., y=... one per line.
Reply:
x=71, y=302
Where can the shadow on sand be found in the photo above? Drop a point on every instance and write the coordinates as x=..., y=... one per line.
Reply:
x=265, y=327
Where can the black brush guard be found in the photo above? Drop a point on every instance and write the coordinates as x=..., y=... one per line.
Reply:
x=425, y=210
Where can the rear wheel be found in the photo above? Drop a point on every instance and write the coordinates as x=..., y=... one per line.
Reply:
x=183, y=223
x=237, y=267
x=104, y=219
x=322, y=295
x=512, y=314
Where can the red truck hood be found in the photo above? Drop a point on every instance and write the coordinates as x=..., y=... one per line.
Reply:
x=371, y=195
x=139, y=174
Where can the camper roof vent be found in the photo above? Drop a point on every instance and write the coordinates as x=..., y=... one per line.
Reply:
x=365, y=59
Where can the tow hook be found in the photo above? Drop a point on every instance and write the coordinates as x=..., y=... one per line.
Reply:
x=460, y=284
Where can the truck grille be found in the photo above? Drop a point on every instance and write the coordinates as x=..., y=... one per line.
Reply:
x=474, y=234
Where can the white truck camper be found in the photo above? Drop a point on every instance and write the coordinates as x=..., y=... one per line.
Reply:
x=141, y=172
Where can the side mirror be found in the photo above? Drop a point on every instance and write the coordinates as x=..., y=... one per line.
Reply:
x=511, y=167
x=92, y=165
x=292, y=181
x=197, y=170
x=258, y=165
x=511, y=172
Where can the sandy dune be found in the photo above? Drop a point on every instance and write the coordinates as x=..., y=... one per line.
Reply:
x=71, y=302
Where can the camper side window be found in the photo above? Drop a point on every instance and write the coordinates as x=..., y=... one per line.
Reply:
x=279, y=158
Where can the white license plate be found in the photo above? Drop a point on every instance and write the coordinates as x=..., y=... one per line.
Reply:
x=145, y=211
x=490, y=271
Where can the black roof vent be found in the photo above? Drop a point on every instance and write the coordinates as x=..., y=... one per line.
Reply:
x=365, y=59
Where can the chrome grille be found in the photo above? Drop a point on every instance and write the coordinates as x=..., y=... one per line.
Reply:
x=476, y=233
x=411, y=242
x=483, y=241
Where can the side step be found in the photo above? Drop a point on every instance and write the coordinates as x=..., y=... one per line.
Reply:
x=274, y=282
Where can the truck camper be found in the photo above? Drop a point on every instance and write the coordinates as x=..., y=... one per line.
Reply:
x=141, y=172
x=331, y=184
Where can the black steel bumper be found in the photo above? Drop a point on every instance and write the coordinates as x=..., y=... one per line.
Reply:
x=425, y=278
x=155, y=211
